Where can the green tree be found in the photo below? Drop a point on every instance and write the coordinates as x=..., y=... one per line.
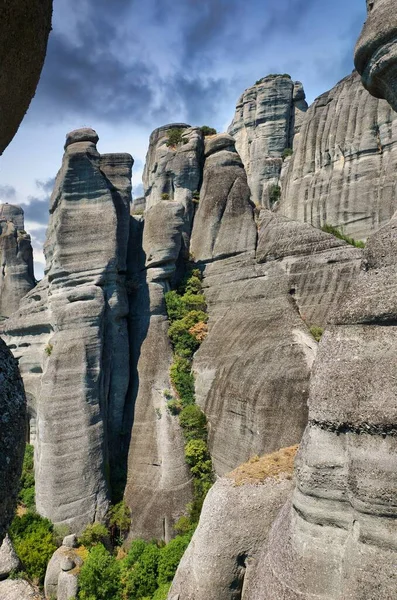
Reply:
x=170, y=557
x=99, y=577
x=119, y=520
x=26, y=489
x=140, y=579
x=93, y=534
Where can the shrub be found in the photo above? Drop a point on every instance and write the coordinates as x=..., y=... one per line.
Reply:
x=286, y=153
x=119, y=520
x=33, y=540
x=183, y=380
x=174, y=137
x=193, y=422
x=274, y=195
x=93, y=534
x=99, y=576
x=205, y=130
x=162, y=592
x=317, y=332
x=198, y=457
x=196, y=196
x=340, y=235
x=26, y=494
x=165, y=196
x=48, y=349
x=140, y=579
x=170, y=557
x=136, y=549
x=174, y=407
x=176, y=308
x=185, y=525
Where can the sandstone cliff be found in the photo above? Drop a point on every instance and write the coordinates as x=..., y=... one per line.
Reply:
x=16, y=255
x=344, y=160
x=267, y=117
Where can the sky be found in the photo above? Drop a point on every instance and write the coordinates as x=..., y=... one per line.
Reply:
x=125, y=67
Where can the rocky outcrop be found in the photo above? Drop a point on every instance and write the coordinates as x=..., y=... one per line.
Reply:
x=71, y=335
x=252, y=371
x=235, y=521
x=13, y=423
x=16, y=255
x=62, y=572
x=342, y=168
x=25, y=26
x=376, y=51
x=18, y=589
x=9, y=560
x=267, y=117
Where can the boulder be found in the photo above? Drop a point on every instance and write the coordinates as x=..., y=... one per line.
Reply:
x=9, y=560
x=18, y=589
x=61, y=573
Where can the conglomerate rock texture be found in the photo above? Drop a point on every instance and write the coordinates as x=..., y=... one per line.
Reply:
x=25, y=26
x=267, y=117
x=71, y=336
x=342, y=171
x=16, y=256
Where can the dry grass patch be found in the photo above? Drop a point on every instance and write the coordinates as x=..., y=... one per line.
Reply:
x=257, y=470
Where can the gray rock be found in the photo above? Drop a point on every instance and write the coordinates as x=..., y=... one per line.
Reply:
x=12, y=429
x=57, y=578
x=68, y=586
x=70, y=541
x=224, y=223
x=267, y=117
x=376, y=51
x=71, y=336
x=25, y=26
x=18, y=589
x=9, y=560
x=342, y=171
x=234, y=526
x=85, y=134
x=16, y=256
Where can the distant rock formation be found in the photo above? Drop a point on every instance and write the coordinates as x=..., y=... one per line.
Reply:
x=16, y=256
x=25, y=26
x=71, y=334
x=267, y=117
x=237, y=515
x=344, y=160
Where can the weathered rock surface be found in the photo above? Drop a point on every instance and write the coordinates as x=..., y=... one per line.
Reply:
x=376, y=51
x=71, y=335
x=235, y=521
x=9, y=560
x=16, y=256
x=25, y=26
x=18, y=589
x=61, y=573
x=342, y=171
x=267, y=117
x=252, y=371
x=13, y=424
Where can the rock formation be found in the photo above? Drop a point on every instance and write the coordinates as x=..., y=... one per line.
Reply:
x=9, y=560
x=234, y=524
x=13, y=424
x=267, y=117
x=62, y=572
x=18, y=589
x=342, y=168
x=25, y=26
x=71, y=334
x=16, y=255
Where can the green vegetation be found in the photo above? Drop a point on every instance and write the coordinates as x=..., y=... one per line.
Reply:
x=26, y=487
x=175, y=137
x=317, y=332
x=205, y=130
x=48, y=349
x=274, y=195
x=186, y=308
x=196, y=196
x=99, y=577
x=340, y=235
x=286, y=153
x=165, y=196
x=34, y=542
x=94, y=534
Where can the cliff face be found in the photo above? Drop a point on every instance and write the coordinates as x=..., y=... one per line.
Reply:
x=344, y=161
x=71, y=336
x=16, y=255
x=267, y=117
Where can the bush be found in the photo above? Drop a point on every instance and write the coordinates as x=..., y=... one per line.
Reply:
x=176, y=308
x=165, y=196
x=99, y=577
x=170, y=557
x=193, y=422
x=162, y=592
x=26, y=494
x=274, y=195
x=48, y=349
x=174, y=137
x=119, y=520
x=140, y=578
x=286, y=153
x=317, y=332
x=183, y=380
x=33, y=540
x=196, y=196
x=93, y=534
x=205, y=130
x=340, y=235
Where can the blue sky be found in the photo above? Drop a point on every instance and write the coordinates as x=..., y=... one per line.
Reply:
x=125, y=67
